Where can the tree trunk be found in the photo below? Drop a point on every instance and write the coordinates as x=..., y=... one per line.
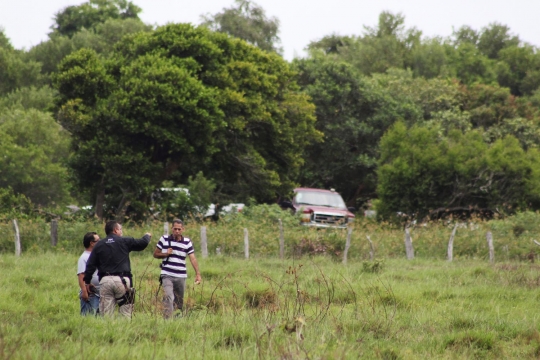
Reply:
x=100, y=199
x=122, y=207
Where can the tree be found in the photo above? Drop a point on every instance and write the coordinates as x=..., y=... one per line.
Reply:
x=430, y=59
x=388, y=45
x=517, y=69
x=88, y=15
x=100, y=38
x=15, y=72
x=488, y=105
x=353, y=112
x=465, y=35
x=494, y=38
x=33, y=149
x=177, y=101
x=331, y=44
x=421, y=172
x=471, y=66
x=247, y=21
x=28, y=98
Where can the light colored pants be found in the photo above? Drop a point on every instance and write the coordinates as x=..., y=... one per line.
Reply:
x=173, y=288
x=111, y=289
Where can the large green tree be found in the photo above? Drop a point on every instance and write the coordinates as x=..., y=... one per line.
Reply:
x=422, y=172
x=168, y=104
x=354, y=111
x=34, y=148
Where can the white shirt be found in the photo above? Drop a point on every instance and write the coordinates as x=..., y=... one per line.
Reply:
x=81, y=268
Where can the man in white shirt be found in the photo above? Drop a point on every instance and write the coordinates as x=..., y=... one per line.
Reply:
x=89, y=297
x=174, y=250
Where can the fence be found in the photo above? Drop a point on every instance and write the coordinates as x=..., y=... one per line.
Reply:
x=364, y=240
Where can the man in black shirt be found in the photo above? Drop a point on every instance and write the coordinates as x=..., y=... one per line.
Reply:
x=111, y=258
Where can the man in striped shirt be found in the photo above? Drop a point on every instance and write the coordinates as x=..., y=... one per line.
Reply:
x=174, y=249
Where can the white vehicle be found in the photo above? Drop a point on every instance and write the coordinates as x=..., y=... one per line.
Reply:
x=233, y=207
x=211, y=209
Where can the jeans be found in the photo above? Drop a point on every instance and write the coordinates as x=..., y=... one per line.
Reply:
x=91, y=306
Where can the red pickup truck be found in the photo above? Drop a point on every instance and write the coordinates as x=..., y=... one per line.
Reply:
x=320, y=208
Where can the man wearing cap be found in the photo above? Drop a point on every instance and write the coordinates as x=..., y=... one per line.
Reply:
x=174, y=250
x=110, y=257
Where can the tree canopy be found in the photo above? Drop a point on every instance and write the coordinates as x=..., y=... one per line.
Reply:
x=90, y=14
x=216, y=108
x=34, y=148
x=422, y=173
x=182, y=99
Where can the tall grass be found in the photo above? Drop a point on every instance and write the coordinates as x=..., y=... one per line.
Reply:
x=307, y=307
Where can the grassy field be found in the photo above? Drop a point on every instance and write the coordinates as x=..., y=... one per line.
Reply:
x=312, y=307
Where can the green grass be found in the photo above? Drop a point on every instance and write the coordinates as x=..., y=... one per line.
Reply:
x=309, y=307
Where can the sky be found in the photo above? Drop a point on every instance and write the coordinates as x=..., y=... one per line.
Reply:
x=26, y=22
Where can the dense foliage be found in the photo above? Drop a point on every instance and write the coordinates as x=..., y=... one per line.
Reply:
x=423, y=172
x=178, y=100
x=389, y=117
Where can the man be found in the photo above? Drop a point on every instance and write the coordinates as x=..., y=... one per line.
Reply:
x=89, y=298
x=111, y=258
x=173, y=250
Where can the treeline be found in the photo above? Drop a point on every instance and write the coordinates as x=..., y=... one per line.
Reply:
x=109, y=109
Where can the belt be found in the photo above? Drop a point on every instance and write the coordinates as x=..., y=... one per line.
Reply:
x=126, y=274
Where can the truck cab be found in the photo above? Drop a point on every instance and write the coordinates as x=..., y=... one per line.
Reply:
x=320, y=208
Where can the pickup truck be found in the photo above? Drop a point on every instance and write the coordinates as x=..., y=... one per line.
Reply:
x=320, y=208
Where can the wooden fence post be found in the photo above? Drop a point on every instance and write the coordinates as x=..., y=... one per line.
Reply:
x=281, y=241
x=204, y=244
x=347, y=244
x=372, y=249
x=166, y=228
x=54, y=232
x=17, y=238
x=246, y=243
x=218, y=250
x=408, y=245
x=489, y=238
x=451, y=244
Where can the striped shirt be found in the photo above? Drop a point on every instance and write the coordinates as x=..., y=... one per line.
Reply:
x=175, y=264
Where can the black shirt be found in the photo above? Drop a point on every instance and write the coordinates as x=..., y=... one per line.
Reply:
x=111, y=255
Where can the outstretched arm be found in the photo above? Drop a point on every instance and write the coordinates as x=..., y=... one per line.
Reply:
x=140, y=244
x=195, y=265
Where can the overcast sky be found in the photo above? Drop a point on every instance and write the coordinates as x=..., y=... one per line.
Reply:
x=27, y=22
